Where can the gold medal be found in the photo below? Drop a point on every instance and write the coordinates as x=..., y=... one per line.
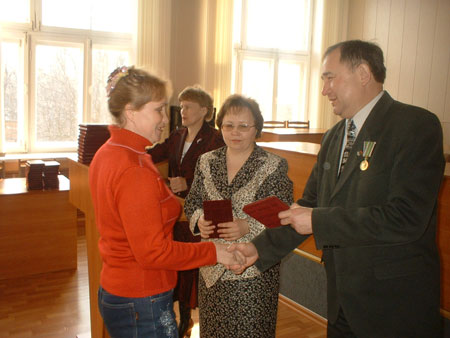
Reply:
x=364, y=165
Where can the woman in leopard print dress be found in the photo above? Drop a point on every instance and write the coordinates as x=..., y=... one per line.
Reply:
x=237, y=305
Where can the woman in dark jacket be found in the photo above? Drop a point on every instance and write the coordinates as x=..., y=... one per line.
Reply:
x=182, y=149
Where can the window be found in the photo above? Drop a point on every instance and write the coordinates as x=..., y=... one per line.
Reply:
x=55, y=58
x=272, y=41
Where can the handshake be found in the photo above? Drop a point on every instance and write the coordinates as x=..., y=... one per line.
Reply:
x=236, y=257
x=239, y=256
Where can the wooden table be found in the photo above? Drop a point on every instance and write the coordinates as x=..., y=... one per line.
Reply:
x=38, y=229
x=301, y=157
x=292, y=135
x=15, y=163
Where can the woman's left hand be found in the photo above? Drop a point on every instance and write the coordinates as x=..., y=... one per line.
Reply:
x=232, y=231
x=177, y=184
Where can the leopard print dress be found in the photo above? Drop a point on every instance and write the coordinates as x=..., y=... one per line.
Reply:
x=238, y=305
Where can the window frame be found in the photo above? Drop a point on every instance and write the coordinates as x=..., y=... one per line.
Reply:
x=33, y=34
x=22, y=114
x=241, y=51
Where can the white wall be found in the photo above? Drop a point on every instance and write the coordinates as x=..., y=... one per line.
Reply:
x=415, y=38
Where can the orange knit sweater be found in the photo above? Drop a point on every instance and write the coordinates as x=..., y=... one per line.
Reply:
x=135, y=214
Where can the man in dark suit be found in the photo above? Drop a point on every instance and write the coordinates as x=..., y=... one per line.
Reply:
x=370, y=202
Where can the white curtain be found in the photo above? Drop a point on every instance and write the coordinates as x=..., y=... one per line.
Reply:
x=223, y=50
x=153, y=40
x=330, y=22
x=153, y=37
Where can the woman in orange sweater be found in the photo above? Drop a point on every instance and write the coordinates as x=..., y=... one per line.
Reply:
x=135, y=219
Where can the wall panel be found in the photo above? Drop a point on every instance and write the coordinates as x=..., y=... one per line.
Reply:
x=409, y=50
x=356, y=19
x=440, y=65
x=425, y=44
x=393, y=54
x=370, y=19
x=382, y=23
x=415, y=38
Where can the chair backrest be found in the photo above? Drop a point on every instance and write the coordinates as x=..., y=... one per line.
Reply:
x=275, y=124
x=298, y=124
x=175, y=118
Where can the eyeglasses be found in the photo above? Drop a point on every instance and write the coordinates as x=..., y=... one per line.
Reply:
x=240, y=127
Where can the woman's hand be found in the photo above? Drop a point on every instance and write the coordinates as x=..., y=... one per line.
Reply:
x=230, y=258
x=232, y=231
x=177, y=184
x=205, y=227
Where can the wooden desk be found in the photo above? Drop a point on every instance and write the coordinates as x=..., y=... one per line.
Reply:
x=38, y=156
x=292, y=135
x=301, y=157
x=443, y=238
x=14, y=164
x=80, y=197
x=38, y=229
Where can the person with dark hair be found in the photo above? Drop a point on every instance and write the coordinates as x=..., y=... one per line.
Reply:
x=370, y=202
x=230, y=305
x=135, y=213
x=182, y=148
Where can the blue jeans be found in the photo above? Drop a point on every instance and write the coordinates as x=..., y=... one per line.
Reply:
x=138, y=317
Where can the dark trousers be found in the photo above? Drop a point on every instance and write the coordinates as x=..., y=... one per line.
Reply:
x=340, y=329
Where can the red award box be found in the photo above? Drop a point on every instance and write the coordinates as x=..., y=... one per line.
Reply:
x=217, y=211
x=266, y=211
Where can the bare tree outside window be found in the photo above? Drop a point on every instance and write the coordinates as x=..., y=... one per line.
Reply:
x=104, y=61
x=58, y=83
x=10, y=98
x=10, y=107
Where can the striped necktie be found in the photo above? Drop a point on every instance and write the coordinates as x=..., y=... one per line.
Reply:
x=351, y=136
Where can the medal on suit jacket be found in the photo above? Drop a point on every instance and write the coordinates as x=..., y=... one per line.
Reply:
x=366, y=153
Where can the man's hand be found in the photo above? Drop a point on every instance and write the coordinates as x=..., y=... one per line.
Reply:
x=226, y=257
x=177, y=184
x=246, y=254
x=232, y=231
x=298, y=217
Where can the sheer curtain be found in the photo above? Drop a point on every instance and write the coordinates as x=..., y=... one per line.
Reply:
x=223, y=50
x=153, y=36
x=153, y=40
x=331, y=18
x=218, y=36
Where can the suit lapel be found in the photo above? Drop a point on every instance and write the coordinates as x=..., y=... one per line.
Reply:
x=370, y=131
x=196, y=143
x=179, y=149
x=333, y=158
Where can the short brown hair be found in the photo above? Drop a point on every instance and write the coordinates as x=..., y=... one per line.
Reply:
x=356, y=52
x=238, y=102
x=198, y=95
x=135, y=87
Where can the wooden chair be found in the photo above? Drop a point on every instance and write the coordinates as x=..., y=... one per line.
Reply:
x=275, y=124
x=298, y=124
